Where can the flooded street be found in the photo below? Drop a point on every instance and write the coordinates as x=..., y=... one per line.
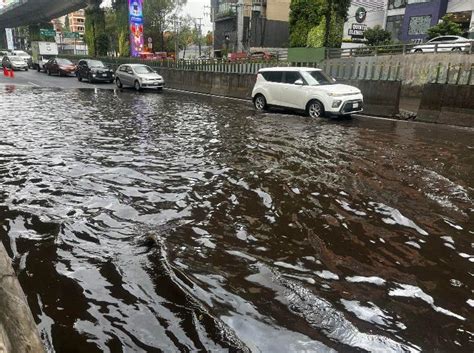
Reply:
x=177, y=222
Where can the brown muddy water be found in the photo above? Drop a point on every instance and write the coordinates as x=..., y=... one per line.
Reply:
x=176, y=222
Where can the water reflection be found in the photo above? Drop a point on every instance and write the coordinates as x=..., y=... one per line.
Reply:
x=178, y=222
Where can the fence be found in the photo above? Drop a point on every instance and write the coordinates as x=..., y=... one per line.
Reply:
x=402, y=49
x=459, y=74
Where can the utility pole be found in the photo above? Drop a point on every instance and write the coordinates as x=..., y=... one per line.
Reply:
x=199, y=34
x=240, y=25
x=211, y=15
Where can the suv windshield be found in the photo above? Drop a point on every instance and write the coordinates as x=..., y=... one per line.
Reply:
x=95, y=63
x=314, y=78
x=142, y=69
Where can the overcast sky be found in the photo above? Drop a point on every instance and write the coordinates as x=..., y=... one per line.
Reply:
x=196, y=9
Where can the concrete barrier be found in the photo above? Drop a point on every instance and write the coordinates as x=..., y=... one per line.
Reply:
x=18, y=331
x=381, y=98
x=447, y=104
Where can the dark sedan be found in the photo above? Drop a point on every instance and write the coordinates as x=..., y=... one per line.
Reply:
x=61, y=67
x=94, y=70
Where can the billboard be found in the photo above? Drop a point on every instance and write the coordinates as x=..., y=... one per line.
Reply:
x=9, y=35
x=135, y=21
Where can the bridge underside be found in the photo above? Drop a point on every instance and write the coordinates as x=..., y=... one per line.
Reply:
x=28, y=12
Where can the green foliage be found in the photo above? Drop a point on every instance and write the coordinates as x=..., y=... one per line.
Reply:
x=377, y=36
x=446, y=27
x=335, y=13
x=95, y=35
x=67, y=27
x=304, y=15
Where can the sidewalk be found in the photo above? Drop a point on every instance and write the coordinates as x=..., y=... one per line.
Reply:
x=18, y=331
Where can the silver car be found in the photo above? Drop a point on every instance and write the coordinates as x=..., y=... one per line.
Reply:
x=444, y=44
x=138, y=76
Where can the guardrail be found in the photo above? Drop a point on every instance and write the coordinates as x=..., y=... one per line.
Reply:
x=466, y=47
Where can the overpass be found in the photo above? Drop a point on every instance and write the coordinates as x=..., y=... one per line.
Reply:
x=25, y=12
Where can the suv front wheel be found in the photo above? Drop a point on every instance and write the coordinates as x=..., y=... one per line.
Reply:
x=315, y=109
x=260, y=102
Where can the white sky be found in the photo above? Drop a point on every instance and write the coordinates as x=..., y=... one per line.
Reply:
x=196, y=9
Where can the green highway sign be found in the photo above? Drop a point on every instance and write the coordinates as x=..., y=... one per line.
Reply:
x=71, y=35
x=48, y=32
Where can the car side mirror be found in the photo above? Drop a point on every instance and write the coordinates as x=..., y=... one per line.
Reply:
x=299, y=82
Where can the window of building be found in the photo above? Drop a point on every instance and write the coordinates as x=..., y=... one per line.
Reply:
x=394, y=26
x=419, y=25
x=396, y=4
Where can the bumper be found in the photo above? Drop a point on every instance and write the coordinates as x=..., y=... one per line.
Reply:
x=153, y=84
x=20, y=67
x=103, y=78
x=354, y=104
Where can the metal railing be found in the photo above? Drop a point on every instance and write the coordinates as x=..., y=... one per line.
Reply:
x=466, y=47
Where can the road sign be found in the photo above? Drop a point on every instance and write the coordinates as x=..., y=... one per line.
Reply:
x=48, y=32
x=150, y=45
x=150, y=39
x=74, y=35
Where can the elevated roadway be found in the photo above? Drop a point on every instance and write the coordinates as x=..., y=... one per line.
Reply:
x=25, y=12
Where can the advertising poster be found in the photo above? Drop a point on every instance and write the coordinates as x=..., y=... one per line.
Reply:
x=135, y=11
x=9, y=35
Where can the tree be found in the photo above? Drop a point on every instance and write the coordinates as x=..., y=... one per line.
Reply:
x=67, y=26
x=377, y=36
x=304, y=15
x=334, y=13
x=158, y=17
x=317, y=35
x=95, y=36
x=446, y=27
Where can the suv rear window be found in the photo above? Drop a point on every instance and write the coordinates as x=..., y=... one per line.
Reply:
x=272, y=76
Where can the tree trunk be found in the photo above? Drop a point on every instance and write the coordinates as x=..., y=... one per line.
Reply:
x=327, y=31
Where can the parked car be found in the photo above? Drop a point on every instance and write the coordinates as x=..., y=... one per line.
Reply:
x=94, y=70
x=14, y=63
x=242, y=56
x=25, y=56
x=305, y=89
x=138, y=76
x=261, y=56
x=62, y=67
x=444, y=44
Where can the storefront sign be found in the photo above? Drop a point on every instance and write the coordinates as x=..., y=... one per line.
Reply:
x=360, y=15
x=135, y=19
x=357, y=31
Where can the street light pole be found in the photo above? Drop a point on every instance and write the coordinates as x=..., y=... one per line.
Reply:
x=199, y=35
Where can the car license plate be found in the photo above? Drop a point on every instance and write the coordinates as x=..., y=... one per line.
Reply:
x=104, y=75
x=355, y=105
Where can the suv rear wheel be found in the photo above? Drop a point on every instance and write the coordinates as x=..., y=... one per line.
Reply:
x=260, y=102
x=315, y=109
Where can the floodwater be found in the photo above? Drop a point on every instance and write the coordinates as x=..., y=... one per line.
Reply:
x=174, y=222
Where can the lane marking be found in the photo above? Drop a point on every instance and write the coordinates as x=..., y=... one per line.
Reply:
x=33, y=84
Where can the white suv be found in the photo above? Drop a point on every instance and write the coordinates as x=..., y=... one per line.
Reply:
x=306, y=89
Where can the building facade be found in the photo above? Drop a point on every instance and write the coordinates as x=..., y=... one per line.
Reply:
x=240, y=25
x=407, y=20
x=77, y=21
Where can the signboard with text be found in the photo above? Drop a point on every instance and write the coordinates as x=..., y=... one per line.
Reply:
x=357, y=30
x=135, y=20
x=9, y=35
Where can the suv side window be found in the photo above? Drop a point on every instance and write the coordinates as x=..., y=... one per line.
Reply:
x=273, y=76
x=291, y=76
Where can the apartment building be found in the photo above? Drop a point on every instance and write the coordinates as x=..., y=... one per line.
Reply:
x=77, y=22
x=240, y=25
x=407, y=20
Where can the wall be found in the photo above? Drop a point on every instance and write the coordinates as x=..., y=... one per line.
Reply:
x=414, y=70
x=375, y=16
x=447, y=104
x=435, y=8
x=278, y=10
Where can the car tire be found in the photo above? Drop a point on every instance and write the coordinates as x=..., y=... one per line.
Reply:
x=315, y=109
x=79, y=78
x=137, y=86
x=418, y=51
x=260, y=103
x=456, y=49
x=118, y=83
x=48, y=72
x=159, y=89
x=26, y=69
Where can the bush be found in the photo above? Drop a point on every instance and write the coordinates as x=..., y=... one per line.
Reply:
x=377, y=36
x=447, y=27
